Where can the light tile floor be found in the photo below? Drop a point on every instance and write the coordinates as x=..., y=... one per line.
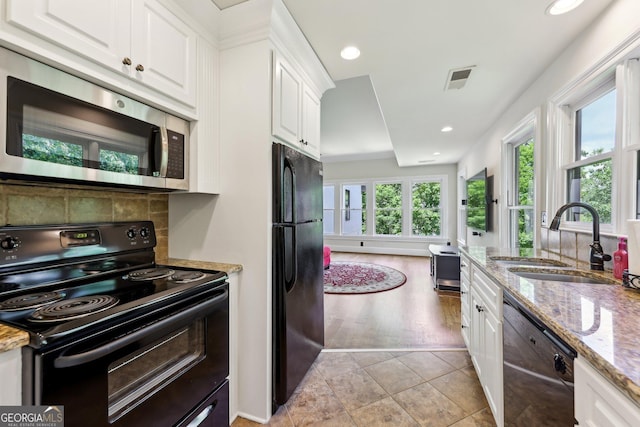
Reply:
x=386, y=388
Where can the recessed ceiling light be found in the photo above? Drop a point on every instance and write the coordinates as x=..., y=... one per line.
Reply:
x=436, y=153
x=350, y=52
x=558, y=7
x=426, y=161
x=446, y=129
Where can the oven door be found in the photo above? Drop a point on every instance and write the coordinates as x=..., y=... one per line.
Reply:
x=154, y=375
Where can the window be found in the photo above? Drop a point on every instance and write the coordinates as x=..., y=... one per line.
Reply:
x=328, y=209
x=589, y=175
x=426, y=219
x=407, y=207
x=354, y=206
x=388, y=209
x=521, y=190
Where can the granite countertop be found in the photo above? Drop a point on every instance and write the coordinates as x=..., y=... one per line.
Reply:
x=205, y=265
x=600, y=321
x=11, y=338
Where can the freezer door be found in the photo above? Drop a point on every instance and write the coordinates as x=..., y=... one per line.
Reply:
x=297, y=186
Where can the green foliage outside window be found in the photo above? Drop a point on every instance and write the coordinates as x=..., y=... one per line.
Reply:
x=524, y=163
x=426, y=209
x=389, y=209
x=595, y=185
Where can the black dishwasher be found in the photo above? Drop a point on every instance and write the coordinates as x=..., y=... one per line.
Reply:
x=538, y=371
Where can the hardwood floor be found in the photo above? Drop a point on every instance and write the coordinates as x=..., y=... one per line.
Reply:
x=413, y=316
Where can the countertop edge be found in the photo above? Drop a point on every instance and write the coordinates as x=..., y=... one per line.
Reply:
x=12, y=338
x=206, y=265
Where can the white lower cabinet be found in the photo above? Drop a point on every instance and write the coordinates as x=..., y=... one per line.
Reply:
x=485, y=338
x=10, y=370
x=598, y=403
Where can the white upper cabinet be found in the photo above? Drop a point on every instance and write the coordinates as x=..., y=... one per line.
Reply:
x=287, y=87
x=296, y=109
x=163, y=51
x=310, y=121
x=141, y=39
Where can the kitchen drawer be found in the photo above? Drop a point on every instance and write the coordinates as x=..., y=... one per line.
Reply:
x=465, y=266
x=491, y=293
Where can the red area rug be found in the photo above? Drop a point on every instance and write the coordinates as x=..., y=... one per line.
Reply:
x=360, y=278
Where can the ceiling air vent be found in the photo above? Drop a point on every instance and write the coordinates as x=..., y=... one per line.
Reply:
x=458, y=78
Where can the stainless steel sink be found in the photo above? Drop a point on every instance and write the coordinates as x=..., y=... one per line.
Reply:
x=512, y=260
x=561, y=275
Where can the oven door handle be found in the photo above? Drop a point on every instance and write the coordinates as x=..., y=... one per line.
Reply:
x=189, y=314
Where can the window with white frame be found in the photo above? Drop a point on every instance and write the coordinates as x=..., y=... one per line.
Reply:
x=520, y=184
x=407, y=206
x=426, y=213
x=388, y=209
x=589, y=175
x=590, y=153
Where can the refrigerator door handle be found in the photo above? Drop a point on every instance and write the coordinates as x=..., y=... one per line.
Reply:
x=291, y=188
x=292, y=260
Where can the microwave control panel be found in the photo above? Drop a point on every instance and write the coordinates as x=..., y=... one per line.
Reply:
x=175, y=166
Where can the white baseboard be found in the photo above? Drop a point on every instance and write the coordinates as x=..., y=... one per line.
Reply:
x=378, y=250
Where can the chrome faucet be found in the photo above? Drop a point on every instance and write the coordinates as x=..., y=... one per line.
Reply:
x=597, y=257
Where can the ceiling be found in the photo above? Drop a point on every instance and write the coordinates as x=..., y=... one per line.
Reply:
x=392, y=102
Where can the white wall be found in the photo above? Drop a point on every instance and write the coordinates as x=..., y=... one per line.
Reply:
x=235, y=226
x=388, y=168
x=616, y=25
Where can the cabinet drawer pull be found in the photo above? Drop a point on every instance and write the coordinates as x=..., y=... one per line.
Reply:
x=139, y=67
x=126, y=61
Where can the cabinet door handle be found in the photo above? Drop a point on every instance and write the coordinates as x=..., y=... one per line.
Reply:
x=464, y=326
x=462, y=292
x=139, y=67
x=126, y=60
x=479, y=308
x=462, y=264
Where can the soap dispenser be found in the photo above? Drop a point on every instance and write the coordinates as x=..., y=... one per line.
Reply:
x=620, y=258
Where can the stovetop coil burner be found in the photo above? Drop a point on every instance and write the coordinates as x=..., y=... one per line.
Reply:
x=25, y=302
x=151, y=273
x=73, y=308
x=187, y=276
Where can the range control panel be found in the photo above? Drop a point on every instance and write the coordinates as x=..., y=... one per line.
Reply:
x=44, y=243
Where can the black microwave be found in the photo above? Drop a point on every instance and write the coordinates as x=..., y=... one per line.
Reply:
x=59, y=128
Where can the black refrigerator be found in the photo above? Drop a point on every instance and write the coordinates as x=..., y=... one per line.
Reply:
x=298, y=305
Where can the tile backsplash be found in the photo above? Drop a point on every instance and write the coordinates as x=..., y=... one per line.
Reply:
x=575, y=244
x=33, y=205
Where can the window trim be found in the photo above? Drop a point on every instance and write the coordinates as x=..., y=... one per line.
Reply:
x=621, y=65
x=528, y=127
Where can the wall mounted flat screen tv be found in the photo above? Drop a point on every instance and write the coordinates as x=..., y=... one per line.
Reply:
x=479, y=201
